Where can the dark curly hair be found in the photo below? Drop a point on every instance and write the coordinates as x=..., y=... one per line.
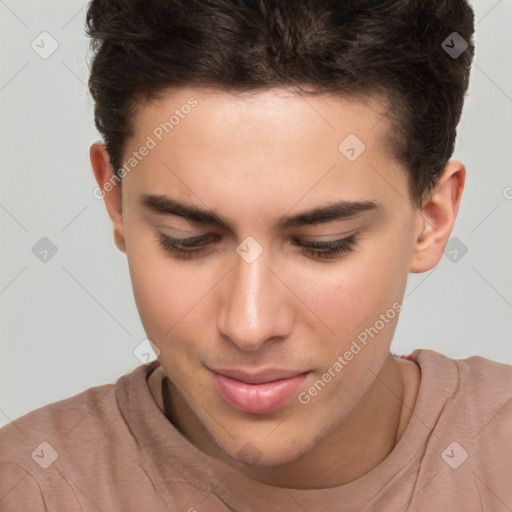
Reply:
x=395, y=48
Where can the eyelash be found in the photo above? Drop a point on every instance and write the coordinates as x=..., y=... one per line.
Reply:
x=323, y=250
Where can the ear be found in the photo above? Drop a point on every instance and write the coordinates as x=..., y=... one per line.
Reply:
x=110, y=188
x=438, y=213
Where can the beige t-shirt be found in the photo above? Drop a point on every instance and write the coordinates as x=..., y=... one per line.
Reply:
x=111, y=448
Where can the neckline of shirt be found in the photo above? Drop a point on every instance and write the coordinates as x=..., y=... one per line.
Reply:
x=167, y=455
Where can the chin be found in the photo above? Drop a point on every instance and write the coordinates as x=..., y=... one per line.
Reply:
x=253, y=454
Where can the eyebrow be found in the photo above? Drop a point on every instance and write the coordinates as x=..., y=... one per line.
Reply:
x=162, y=204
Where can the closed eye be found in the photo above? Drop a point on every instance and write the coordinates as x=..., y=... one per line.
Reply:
x=187, y=248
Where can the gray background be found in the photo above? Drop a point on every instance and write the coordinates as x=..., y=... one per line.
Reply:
x=70, y=323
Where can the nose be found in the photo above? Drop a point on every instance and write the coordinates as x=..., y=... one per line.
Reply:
x=254, y=307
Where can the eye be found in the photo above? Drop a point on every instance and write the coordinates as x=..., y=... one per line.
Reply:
x=186, y=248
x=330, y=249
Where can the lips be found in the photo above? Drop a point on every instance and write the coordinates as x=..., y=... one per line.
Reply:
x=257, y=393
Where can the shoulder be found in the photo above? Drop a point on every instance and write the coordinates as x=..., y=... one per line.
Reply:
x=477, y=404
x=33, y=447
x=485, y=384
x=87, y=438
x=486, y=388
x=481, y=382
x=19, y=489
x=472, y=394
x=53, y=421
x=474, y=425
x=93, y=417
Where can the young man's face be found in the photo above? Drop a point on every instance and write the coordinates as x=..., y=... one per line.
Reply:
x=252, y=298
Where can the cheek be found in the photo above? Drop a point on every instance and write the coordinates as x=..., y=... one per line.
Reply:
x=168, y=295
x=160, y=289
x=354, y=293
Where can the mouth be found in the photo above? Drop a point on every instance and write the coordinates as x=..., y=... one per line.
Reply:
x=257, y=393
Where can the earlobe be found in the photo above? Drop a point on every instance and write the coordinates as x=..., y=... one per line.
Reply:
x=109, y=186
x=119, y=241
x=438, y=214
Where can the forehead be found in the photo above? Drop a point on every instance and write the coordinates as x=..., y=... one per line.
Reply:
x=207, y=143
x=211, y=115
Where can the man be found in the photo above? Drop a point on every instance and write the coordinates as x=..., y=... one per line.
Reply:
x=274, y=171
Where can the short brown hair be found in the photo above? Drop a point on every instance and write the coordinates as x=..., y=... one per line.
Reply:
x=352, y=47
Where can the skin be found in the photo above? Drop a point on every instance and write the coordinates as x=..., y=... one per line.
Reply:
x=252, y=159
